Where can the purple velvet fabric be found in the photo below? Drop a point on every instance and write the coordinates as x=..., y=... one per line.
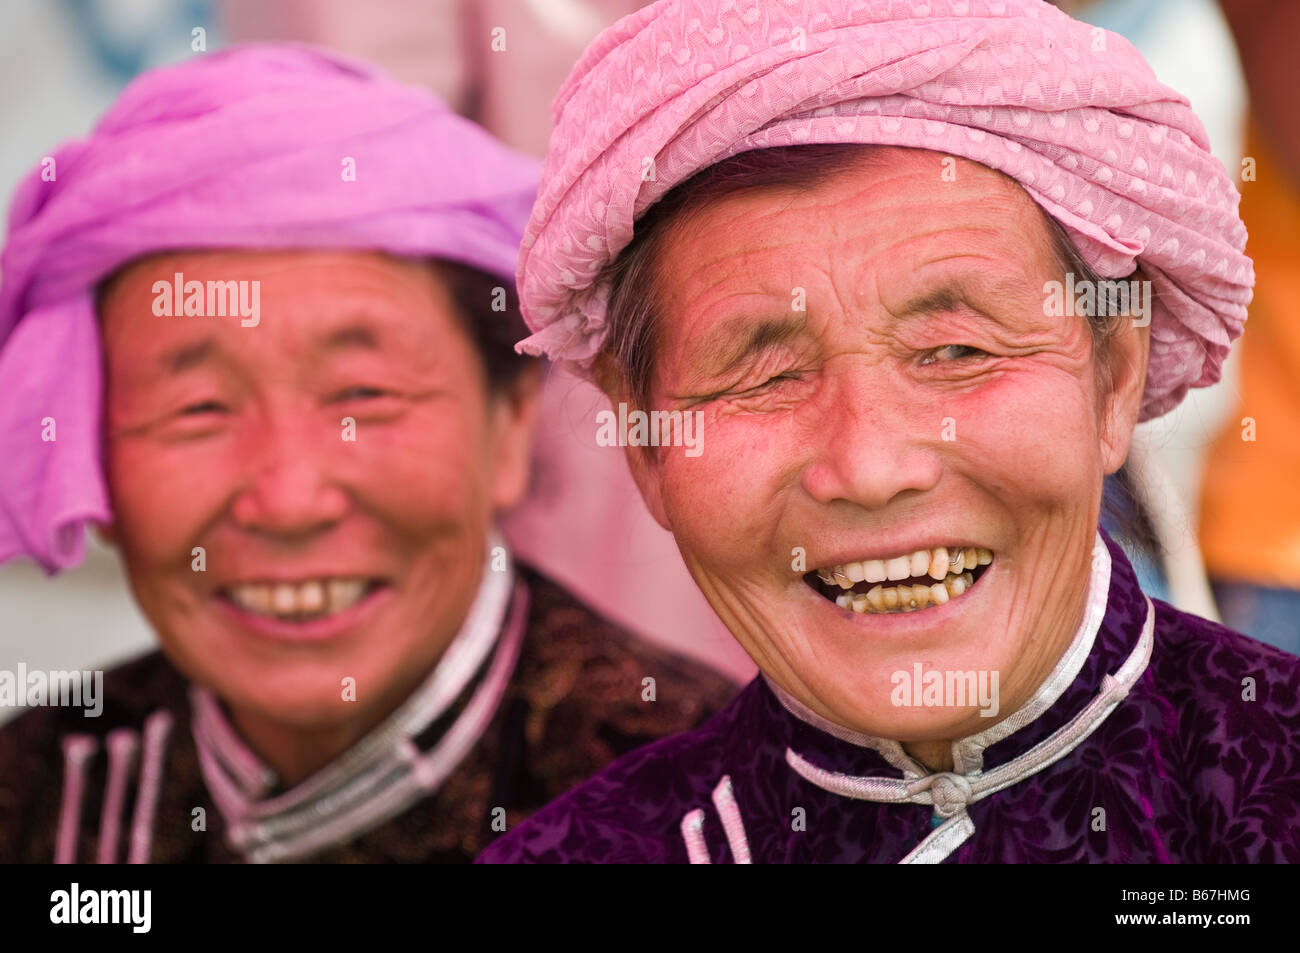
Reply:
x=1186, y=770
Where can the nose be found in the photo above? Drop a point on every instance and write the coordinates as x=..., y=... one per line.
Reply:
x=872, y=445
x=288, y=490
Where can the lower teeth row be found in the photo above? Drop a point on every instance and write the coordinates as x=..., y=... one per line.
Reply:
x=906, y=598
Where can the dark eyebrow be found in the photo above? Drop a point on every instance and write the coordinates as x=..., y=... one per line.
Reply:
x=352, y=336
x=186, y=356
x=726, y=356
x=956, y=294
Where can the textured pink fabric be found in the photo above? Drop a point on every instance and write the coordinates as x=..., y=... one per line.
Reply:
x=238, y=149
x=1070, y=111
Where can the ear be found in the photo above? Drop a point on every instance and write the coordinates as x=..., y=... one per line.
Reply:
x=646, y=471
x=647, y=474
x=512, y=416
x=1128, y=351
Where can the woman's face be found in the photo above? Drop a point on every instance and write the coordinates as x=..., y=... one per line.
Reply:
x=877, y=377
x=338, y=463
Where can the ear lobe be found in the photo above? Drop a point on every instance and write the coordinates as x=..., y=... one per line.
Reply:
x=647, y=474
x=514, y=415
x=1129, y=349
x=645, y=468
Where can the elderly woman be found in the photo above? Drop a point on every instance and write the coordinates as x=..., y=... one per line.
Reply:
x=863, y=234
x=297, y=276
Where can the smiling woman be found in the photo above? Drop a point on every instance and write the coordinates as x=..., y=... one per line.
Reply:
x=921, y=305
x=845, y=263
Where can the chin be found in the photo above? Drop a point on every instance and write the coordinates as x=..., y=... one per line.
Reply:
x=293, y=695
x=869, y=681
x=306, y=707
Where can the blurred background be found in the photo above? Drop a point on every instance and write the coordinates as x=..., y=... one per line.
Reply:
x=63, y=61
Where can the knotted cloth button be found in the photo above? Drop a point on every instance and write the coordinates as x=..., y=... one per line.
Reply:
x=949, y=792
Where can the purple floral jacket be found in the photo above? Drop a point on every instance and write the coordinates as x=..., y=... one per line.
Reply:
x=1198, y=763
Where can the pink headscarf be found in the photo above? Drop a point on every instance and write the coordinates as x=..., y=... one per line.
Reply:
x=1073, y=113
x=244, y=148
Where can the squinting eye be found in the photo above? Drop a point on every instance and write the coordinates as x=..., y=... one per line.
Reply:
x=771, y=382
x=206, y=407
x=952, y=352
x=360, y=393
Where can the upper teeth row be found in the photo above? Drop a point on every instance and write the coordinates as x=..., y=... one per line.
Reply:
x=937, y=563
x=310, y=597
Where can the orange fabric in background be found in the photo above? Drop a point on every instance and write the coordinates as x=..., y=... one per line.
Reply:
x=1250, y=500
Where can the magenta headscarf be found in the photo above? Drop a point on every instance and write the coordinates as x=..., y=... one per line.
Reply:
x=244, y=148
x=1073, y=113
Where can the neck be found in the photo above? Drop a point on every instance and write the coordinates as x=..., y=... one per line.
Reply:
x=295, y=751
x=935, y=755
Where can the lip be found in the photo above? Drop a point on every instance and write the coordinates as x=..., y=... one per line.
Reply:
x=323, y=629
x=920, y=622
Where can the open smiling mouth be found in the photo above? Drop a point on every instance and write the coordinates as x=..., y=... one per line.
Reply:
x=907, y=583
x=300, y=601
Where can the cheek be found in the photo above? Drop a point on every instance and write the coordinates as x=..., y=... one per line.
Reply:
x=162, y=499
x=429, y=470
x=725, y=505
x=1033, y=429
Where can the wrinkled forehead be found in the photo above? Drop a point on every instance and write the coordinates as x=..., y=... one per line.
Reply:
x=287, y=270
x=889, y=218
x=269, y=307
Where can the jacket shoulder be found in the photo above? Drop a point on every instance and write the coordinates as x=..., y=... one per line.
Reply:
x=581, y=662
x=1234, y=704
x=630, y=812
x=122, y=695
x=31, y=744
x=1200, y=662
